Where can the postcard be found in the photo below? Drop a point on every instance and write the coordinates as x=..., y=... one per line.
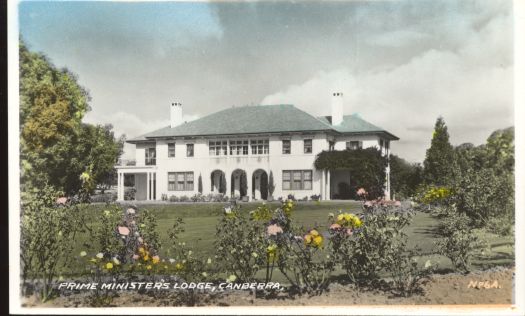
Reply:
x=265, y=157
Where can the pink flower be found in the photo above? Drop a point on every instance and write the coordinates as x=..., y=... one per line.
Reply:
x=62, y=200
x=273, y=230
x=361, y=192
x=369, y=203
x=135, y=257
x=140, y=240
x=397, y=203
x=133, y=223
x=349, y=232
x=123, y=230
x=298, y=238
x=131, y=211
x=335, y=226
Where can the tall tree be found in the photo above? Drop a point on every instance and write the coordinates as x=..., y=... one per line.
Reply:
x=439, y=157
x=405, y=177
x=56, y=148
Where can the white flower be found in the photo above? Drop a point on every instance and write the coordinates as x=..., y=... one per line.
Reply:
x=254, y=254
x=131, y=211
x=83, y=253
x=100, y=255
x=231, y=278
x=428, y=264
x=204, y=274
x=117, y=262
x=209, y=261
x=172, y=260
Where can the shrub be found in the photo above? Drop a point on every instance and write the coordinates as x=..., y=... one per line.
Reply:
x=198, y=198
x=315, y=197
x=184, y=198
x=129, y=194
x=104, y=198
x=459, y=242
x=173, y=198
x=48, y=226
x=407, y=276
x=164, y=197
x=240, y=244
x=291, y=197
x=365, y=245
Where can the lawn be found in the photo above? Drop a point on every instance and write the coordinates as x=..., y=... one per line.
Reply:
x=200, y=220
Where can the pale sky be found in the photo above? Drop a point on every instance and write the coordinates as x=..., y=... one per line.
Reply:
x=400, y=64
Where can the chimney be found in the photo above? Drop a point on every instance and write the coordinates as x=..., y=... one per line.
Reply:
x=176, y=114
x=337, y=108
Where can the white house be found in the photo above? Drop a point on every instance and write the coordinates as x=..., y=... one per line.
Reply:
x=246, y=144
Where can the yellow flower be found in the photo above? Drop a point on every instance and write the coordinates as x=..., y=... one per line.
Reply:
x=141, y=250
x=109, y=265
x=83, y=253
x=148, y=267
x=179, y=266
x=146, y=258
x=155, y=259
x=318, y=241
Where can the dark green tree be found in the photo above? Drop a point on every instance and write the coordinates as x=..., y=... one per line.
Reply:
x=439, y=157
x=271, y=184
x=200, y=184
x=405, y=177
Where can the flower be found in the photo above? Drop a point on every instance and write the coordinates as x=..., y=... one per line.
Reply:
x=397, y=203
x=100, y=255
x=313, y=239
x=204, y=274
x=349, y=232
x=273, y=230
x=116, y=261
x=130, y=211
x=123, y=230
x=361, y=192
x=109, y=265
x=179, y=266
x=172, y=260
x=135, y=257
x=149, y=267
x=231, y=278
x=155, y=259
x=142, y=250
x=335, y=226
x=61, y=200
x=83, y=254
x=140, y=240
x=209, y=261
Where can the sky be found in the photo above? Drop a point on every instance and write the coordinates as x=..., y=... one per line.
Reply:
x=399, y=64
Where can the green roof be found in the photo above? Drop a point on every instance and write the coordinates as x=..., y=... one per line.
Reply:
x=282, y=118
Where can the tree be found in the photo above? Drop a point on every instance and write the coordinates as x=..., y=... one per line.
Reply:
x=222, y=184
x=56, y=148
x=405, y=177
x=271, y=184
x=439, y=157
x=200, y=184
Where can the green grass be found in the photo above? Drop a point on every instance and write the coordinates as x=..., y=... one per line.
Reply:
x=200, y=220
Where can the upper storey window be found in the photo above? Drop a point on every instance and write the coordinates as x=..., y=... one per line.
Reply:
x=287, y=147
x=171, y=150
x=238, y=147
x=189, y=150
x=307, y=146
x=218, y=148
x=151, y=156
x=260, y=146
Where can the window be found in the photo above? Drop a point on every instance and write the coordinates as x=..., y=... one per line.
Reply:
x=238, y=147
x=218, y=148
x=180, y=181
x=297, y=179
x=387, y=145
x=171, y=149
x=331, y=146
x=259, y=146
x=189, y=150
x=287, y=147
x=353, y=145
x=151, y=154
x=307, y=146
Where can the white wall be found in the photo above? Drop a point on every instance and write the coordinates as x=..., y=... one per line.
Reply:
x=203, y=164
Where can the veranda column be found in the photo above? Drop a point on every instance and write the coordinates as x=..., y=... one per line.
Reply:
x=322, y=193
x=249, y=185
x=147, y=185
x=119, y=197
x=328, y=186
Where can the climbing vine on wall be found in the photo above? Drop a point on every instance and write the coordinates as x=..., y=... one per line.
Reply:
x=367, y=168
